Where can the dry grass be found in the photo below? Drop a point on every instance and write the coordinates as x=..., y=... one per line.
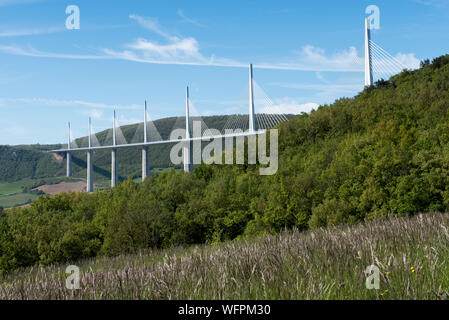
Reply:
x=321, y=264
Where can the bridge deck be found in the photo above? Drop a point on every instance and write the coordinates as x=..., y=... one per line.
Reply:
x=141, y=144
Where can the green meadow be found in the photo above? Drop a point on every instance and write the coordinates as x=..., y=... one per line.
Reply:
x=18, y=199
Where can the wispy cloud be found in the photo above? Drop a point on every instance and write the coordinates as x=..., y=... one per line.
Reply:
x=175, y=50
x=16, y=2
x=65, y=103
x=94, y=114
x=288, y=105
x=16, y=131
x=180, y=13
x=178, y=50
x=122, y=121
x=311, y=58
x=32, y=52
x=152, y=24
x=433, y=3
x=409, y=60
x=29, y=32
x=326, y=91
x=14, y=78
x=316, y=87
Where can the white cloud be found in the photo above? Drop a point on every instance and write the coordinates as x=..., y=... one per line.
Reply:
x=323, y=93
x=66, y=103
x=94, y=114
x=189, y=20
x=320, y=77
x=433, y=3
x=318, y=87
x=133, y=56
x=288, y=106
x=32, y=52
x=408, y=60
x=29, y=32
x=122, y=121
x=311, y=58
x=181, y=49
x=17, y=131
x=177, y=50
x=151, y=24
x=16, y=2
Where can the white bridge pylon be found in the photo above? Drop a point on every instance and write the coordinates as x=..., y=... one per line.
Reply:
x=379, y=64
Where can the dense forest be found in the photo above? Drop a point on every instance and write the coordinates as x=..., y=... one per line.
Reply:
x=28, y=162
x=383, y=152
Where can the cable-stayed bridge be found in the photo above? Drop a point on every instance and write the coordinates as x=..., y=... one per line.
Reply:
x=379, y=64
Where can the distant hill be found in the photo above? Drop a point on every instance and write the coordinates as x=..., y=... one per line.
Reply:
x=28, y=162
x=32, y=161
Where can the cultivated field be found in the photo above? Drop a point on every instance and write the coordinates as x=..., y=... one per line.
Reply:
x=411, y=253
x=10, y=188
x=62, y=187
x=18, y=199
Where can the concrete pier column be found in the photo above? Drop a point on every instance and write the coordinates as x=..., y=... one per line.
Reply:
x=69, y=164
x=252, y=126
x=69, y=155
x=188, y=156
x=90, y=167
x=188, y=147
x=145, y=166
x=368, y=57
x=114, y=169
x=90, y=181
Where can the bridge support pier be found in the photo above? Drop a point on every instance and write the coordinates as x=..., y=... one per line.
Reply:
x=114, y=174
x=69, y=155
x=252, y=125
x=69, y=164
x=188, y=158
x=368, y=57
x=188, y=147
x=145, y=159
x=90, y=181
x=145, y=166
x=114, y=169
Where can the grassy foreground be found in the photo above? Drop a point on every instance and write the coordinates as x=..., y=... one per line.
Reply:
x=411, y=253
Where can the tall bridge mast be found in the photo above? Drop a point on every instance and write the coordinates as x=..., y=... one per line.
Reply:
x=368, y=56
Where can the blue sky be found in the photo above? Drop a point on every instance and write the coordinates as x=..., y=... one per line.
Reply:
x=305, y=53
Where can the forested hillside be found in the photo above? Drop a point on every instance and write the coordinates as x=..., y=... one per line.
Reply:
x=27, y=162
x=383, y=152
